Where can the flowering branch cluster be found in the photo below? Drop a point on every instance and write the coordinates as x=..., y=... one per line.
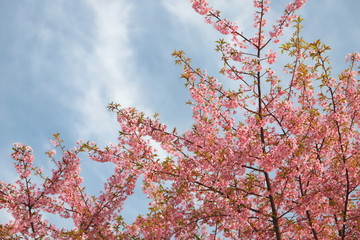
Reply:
x=62, y=194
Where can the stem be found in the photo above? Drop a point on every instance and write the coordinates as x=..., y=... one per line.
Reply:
x=274, y=215
x=310, y=221
x=343, y=150
x=29, y=204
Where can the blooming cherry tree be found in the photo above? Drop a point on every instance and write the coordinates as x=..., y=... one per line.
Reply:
x=276, y=157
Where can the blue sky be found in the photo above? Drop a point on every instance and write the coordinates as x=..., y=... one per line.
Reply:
x=62, y=62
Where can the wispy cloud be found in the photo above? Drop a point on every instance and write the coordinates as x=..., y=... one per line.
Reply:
x=107, y=73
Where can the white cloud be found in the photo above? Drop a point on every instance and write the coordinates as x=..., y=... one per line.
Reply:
x=108, y=73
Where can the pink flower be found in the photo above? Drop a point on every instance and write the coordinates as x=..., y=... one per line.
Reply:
x=353, y=56
x=223, y=27
x=200, y=6
x=271, y=57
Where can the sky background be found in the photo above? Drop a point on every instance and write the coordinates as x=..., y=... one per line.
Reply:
x=62, y=62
